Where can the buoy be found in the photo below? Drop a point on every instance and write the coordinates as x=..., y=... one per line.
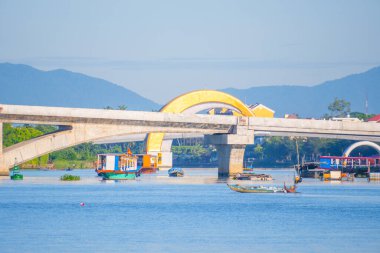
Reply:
x=81, y=204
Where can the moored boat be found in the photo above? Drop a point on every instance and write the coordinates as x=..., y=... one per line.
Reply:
x=253, y=177
x=256, y=189
x=16, y=175
x=176, y=172
x=117, y=166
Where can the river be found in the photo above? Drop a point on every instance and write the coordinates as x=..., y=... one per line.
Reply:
x=197, y=213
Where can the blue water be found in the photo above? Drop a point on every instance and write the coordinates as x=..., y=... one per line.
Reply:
x=195, y=214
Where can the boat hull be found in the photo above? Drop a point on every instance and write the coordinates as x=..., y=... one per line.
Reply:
x=175, y=174
x=253, y=177
x=118, y=176
x=17, y=177
x=256, y=189
x=149, y=170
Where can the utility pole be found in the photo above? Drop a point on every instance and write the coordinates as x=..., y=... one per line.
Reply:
x=298, y=156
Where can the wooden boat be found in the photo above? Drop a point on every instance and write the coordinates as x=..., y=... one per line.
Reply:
x=242, y=176
x=117, y=166
x=261, y=177
x=291, y=189
x=261, y=189
x=176, y=172
x=256, y=189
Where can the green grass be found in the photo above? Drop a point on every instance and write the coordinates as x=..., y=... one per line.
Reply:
x=68, y=177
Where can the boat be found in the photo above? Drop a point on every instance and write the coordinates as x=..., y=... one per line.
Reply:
x=253, y=177
x=242, y=176
x=308, y=170
x=117, y=166
x=176, y=172
x=256, y=189
x=352, y=166
x=147, y=163
x=291, y=189
x=16, y=175
x=119, y=176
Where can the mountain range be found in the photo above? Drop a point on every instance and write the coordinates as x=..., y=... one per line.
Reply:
x=25, y=85
x=313, y=101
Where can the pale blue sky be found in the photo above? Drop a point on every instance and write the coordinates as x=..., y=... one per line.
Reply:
x=161, y=49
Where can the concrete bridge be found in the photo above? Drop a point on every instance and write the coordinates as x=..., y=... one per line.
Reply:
x=230, y=134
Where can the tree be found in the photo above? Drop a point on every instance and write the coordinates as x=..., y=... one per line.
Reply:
x=361, y=116
x=259, y=151
x=339, y=108
x=119, y=107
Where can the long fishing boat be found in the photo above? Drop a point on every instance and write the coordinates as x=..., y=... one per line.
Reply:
x=261, y=189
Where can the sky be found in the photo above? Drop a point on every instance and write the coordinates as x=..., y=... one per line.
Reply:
x=161, y=49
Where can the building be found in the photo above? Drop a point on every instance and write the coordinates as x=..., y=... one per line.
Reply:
x=375, y=119
x=258, y=110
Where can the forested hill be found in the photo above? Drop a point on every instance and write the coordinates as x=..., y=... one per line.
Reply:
x=313, y=101
x=25, y=85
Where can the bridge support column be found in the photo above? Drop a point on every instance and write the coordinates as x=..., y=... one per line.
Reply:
x=166, y=159
x=165, y=155
x=230, y=159
x=231, y=149
x=4, y=171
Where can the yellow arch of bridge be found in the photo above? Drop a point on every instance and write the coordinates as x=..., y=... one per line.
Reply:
x=188, y=100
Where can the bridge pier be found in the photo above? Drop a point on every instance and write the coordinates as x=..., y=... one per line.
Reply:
x=231, y=149
x=230, y=159
x=165, y=159
x=4, y=171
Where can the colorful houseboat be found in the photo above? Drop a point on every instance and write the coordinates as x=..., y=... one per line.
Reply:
x=347, y=167
x=117, y=166
x=360, y=166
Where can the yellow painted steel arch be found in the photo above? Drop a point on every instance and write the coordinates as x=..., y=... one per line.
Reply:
x=188, y=100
